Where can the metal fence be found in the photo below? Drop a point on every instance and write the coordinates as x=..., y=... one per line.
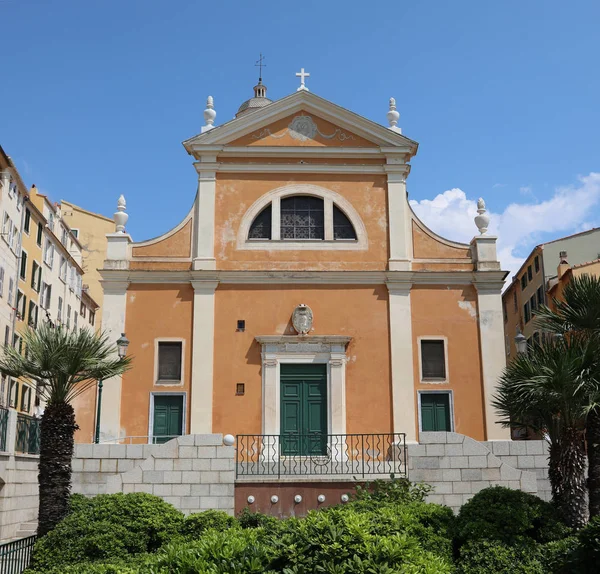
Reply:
x=28, y=435
x=291, y=454
x=3, y=428
x=16, y=555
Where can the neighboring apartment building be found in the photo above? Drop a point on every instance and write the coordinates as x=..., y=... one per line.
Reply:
x=529, y=286
x=565, y=273
x=13, y=195
x=90, y=229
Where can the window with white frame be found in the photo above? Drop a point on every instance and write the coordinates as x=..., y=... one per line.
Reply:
x=68, y=321
x=169, y=362
x=75, y=320
x=72, y=280
x=11, y=288
x=64, y=237
x=21, y=303
x=7, y=335
x=433, y=354
x=15, y=241
x=12, y=189
x=13, y=394
x=6, y=226
x=46, y=296
x=79, y=287
x=36, y=276
x=32, y=318
x=82, y=309
x=63, y=269
x=1, y=281
x=49, y=253
x=11, y=234
x=60, y=310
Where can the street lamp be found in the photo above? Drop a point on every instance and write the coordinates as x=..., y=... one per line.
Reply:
x=521, y=344
x=122, y=344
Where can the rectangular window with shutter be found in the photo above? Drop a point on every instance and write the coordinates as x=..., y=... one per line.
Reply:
x=433, y=360
x=169, y=361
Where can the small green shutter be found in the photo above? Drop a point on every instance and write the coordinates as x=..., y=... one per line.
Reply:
x=303, y=408
x=168, y=417
x=435, y=412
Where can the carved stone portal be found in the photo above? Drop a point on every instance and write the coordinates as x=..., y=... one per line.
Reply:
x=302, y=319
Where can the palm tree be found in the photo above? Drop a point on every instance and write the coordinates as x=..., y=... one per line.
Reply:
x=545, y=389
x=62, y=364
x=579, y=313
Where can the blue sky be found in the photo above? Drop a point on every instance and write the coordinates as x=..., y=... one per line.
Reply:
x=97, y=97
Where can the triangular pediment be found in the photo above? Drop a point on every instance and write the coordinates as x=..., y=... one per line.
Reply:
x=303, y=129
x=301, y=119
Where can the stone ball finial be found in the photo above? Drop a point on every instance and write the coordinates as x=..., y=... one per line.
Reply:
x=393, y=115
x=120, y=216
x=482, y=220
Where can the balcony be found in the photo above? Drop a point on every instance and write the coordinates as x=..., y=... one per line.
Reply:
x=321, y=456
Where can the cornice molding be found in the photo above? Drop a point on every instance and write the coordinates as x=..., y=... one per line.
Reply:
x=306, y=339
x=483, y=280
x=202, y=167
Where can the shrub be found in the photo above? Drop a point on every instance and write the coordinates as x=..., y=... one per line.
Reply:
x=196, y=524
x=589, y=539
x=248, y=519
x=487, y=557
x=560, y=556
x=107, y=527
x=508, y=516
x=396, y=490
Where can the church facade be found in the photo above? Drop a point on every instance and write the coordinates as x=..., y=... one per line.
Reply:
x=300, y=294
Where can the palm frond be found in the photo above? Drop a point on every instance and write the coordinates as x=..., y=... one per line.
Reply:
x=63, y=363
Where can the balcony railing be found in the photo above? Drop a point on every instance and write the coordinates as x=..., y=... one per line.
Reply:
x=3, y=428
x=357, y=455
x=28, y=435
x=16, y=555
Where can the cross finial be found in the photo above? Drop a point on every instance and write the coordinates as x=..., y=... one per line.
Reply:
x=302, y=75
x=260, y=65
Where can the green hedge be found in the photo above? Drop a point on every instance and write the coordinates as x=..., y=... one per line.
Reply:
x=385, y=529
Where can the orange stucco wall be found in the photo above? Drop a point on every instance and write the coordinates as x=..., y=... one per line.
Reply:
x=177, y=245
x=427, y=247
x=358, y=311
x=153, y=312
x=236, y=193
x=451, y=311
x=264, y=135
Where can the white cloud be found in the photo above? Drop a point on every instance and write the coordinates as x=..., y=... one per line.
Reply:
x=521, y=225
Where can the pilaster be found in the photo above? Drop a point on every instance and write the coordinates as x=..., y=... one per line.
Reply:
x=401, y=347
x=204, y=214
x=113, y=324
x=400, y=240
x=493, y=356
x=203, y=345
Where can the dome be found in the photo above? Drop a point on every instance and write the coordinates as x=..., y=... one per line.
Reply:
x=259, y=100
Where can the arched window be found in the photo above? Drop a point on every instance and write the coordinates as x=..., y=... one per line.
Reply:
x=302, y=217
x=261, y=226
x=342, y=228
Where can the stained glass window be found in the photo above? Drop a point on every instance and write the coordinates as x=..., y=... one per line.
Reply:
x=302, y=217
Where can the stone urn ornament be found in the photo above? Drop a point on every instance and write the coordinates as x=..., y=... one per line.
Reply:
x=302, y=319
x=482, y=220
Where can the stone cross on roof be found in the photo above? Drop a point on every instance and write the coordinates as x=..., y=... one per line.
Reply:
x=302, y=74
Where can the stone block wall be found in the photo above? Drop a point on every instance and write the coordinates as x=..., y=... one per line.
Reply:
x=192, y=472
x=18, y=493
x=458, y=467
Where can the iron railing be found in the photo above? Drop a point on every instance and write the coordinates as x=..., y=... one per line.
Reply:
x=3, y=428
x=28, y=435
x=356, y=455
x=16, y=555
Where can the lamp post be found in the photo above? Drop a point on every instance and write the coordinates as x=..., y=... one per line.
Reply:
x=122, y=344
x=521, y=344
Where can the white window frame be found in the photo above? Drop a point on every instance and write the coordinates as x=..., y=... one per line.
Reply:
x=11, y=288
x=63, y=265
x=423, y=381
x=151, y=414
x=329, y=197
x=49, y=248
x=1, y=281
x=173, y=383
x=439, y=392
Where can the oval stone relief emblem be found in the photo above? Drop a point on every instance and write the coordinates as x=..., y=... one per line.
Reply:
x=302, y=319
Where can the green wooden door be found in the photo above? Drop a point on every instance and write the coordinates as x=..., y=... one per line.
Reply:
x=435, y=412
x=303, y=409
x=168, y=417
